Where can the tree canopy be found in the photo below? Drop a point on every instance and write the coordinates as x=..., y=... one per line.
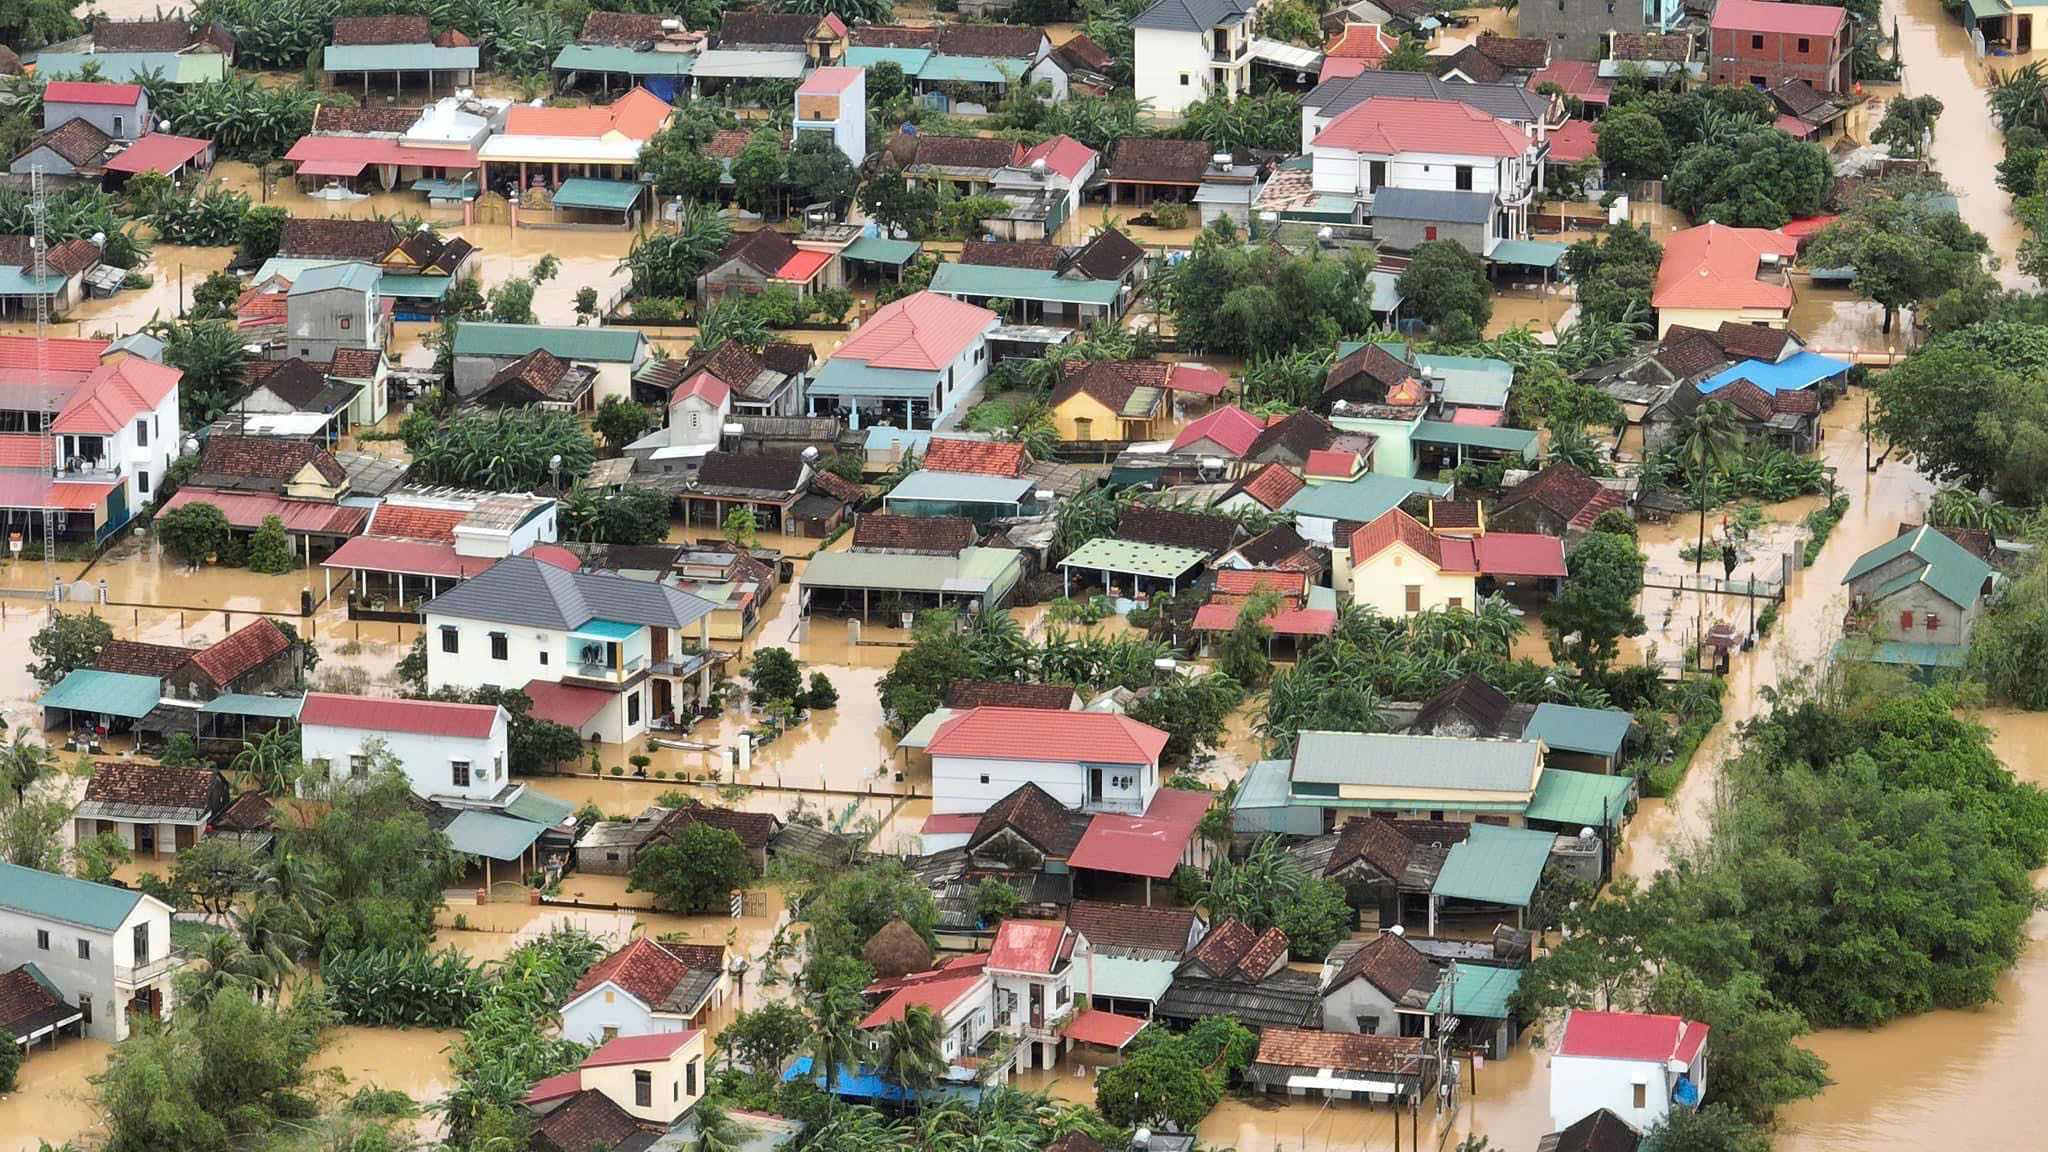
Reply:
x=1972, y=407
x=1233, y=300
x=1759, y=179
x=1445, y=285
x=694, y=870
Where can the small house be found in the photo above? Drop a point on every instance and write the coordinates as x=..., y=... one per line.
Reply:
x=448, y=751
x=1383, y=1069
x=1634, y=1065
x=646, y=987
x=1235, y=971
x=153, y=809
x=104, y=949
x=1382, y=988
x=1127, y=953
x=1923, y=589
x=1087, y=761
x=1031, y=967
x=654, y=1079
x=401, y=48
x=1714, y=273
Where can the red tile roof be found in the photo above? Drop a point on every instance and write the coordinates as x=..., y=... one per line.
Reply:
x=158, y=152
x=28, y=1003
x=1396, y=527
x=1580, y=78
x=1347, y=1054
x=416, y=522
x=1290, y=620
x=139, y=659
x=247, y=510
x=1130, y=927
x=647, y=1048
x=637, y=115
x=922, y=332
x=242, y=650
x=86, y=92
x=1062, y=154
x=1573, y=141
x=643, y=968
x=114, y=394
x=1245, y=581
x=937, y=990
x=1034, y=734
x=1631, y=1036
x=1561, y=488
x=938, y=535
x=1030, y=946
x=1714, y=267
x=1149, y=845
x=1526, y=554
x=382, y=714
x=1231, y=428
x=1784, y=19
x=569, y=705
x=1354, y=41
x=1388, y=126
x=1272, y=486
x=25, y=450
x=980, y=457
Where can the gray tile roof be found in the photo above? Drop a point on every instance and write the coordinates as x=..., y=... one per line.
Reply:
x=1192, y=15
x=524, y=591
x=1432, y=204
x=1506, y=101
x=1432, y=762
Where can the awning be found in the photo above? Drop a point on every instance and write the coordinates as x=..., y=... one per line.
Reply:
x=394, y=554
x=104, y=693
x=493, y=837
x=877, y=250
x=1131, y=558
x=1579, y=799
x=922, y=732
x=569, y=705
x=538, y=807
x=1480, y=991
x=1595, y=731
x=1107, y=1029
x=1982, y=10
x=600, y=195
x=242, y=704
x=1528, y=253
x=1341, y=1084
x=1495, y=865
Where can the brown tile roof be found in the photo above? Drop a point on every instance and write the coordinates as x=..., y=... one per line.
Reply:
x=124, y=782
x=366, y=240
x=1690, y=352
x=1269, y=949
x=1108, y=256
x=1111, y=382
x=588, y=1121
x=1389, y=963
x=1746, y=398
x=1676, y=47
x=1373, y=841
x=998, y=41
x=1469, y=696
x=1275, y=546
x=1600, y=1131
x=1114, y=927
x=895, y=36
x=1453, y=514
x=753, y=828
x=1079, y=49
x=788, y=358
x=1232, y=950
x=76, y=140
x=643, y=967
x=1297, y=433
x=620, y=27
x=277, y=458
x=1798, y=97
x=981, y=457
x=965, y=152
x=141, y=35
x=757, y=27
x=392, y=29
x=1371, y=363
x=1032, y=813
x=757, y=473
x=1346, y=1053
x=1009, y=694
x=1272, y=486
x=135, y=658
x=540, y=370
x=1144, y=160
x=1175, y=528
x=836, y=487
x=938, y=535
x=242, y=650
x=417, y=522
x=1473, y=64
x=27, y=1004
x=1751, y=341
x=727, y=144
x=764, y=250
x=357, y=363
x=1795, y=401
x=72, y=257
x=1561, y=488
x=1004, y=254
x=249, y=812
x=1523, y=53
x=304, y=385
x=730, y=362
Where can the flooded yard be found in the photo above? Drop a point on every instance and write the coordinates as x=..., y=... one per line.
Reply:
x=53, y=1100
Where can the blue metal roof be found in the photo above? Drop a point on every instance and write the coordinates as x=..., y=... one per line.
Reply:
x=1800, y=370
x=55, y=897
x=108, y=693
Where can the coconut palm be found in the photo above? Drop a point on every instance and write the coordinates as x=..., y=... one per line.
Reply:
x=913, y=1052
x=666, y=263
x=225, y=963
x=1708, y=442
x=716, y=1131
x=276, y=933
x=23, y=762
x=835, y=1034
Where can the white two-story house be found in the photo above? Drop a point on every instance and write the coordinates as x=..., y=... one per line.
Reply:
x=120, y=427
x=605, y=655
x=1424, y=170
x=1185, y=49
x=1088, y=761
x=448, y=751
x=1031, y=965
x=107, y=949
x=959, y=992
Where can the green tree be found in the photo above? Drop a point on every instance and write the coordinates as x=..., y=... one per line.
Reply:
x=1161, y=1082
x=270, y=548
x=757, y=172
x=71, y=640
x=1445, y=285
x=209, y=354
x=1193, y=711
x=741, y=527
x=667, y=263
x=819, y=173
x=213, y=873
x=620, y=422
x=378, y=866
x=1315, y=919
x=1758, y=180
x=1292, y=21
x=1227, y=299
x=1707, y=442
x=1411, y=55
x=1612, y=275
x=892, y=202
x=511, y=301
x=513, y=450
x=821, y=695
x=845, y=908
x=193, y=532
x=98, y=856
x=1597, y=606
x=694, y=870
x=764, y=1039
x=630, y=515
x=772, y=675
x=1906, y=249
x=1908, y=125
x=1633, y=143
x=912, y=1052
x=10, y=1066
x=261, y=231
x=995, y=901
x=1715, y=1128
x=215, y=297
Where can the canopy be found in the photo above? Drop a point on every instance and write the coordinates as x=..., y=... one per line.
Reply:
x=1108, y=1029
x=105, y=693
x=1495, y=865
x=242, y=704
x=1528, y=253
x=1594, y=731
x=877, y=250
x=1579, y=799
x=1481, y=991
x=922, y=732
x=497, y=837
x=1131, y=558
x=602, y=195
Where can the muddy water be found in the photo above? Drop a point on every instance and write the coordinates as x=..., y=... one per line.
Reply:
x=53, y=1099
x=411, y=1060
x=1967, y=146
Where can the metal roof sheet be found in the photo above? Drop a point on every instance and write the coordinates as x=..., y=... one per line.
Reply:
x=1519, y=440
x=242, y=704
x=523, y=590
x=972, y=70
x=1388, y=760
x=617, y=58
x=1495, y=865
x=961, y=488
x=880, y=250
x=998, y=282
x=1598, y=731
x=176, y=67
x=1364, y=499
x=974, y=571
x=493, y=836
x=609, y=195
x=1432, y=204
x=57, y=897
x=1129, y=557
x=1584, y=799
x=398, y=58
x=615, y=345
x=1480, y=991
x=107, y=693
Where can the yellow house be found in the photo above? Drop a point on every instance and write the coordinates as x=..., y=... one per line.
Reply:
x=656, y=1078
x=1715, y=274
x=1108, y=401
x=1397, y=567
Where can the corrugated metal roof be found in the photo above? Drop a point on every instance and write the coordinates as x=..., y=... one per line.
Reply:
x=1495, y=865
x=398, y=58
x=1364, y=500
x=972, y=70
x=1160, y=561
x=961, y=488
x=108, y=693
x=1598, y=731
x=998, y=282
x=616, y=58
x=975, y=571
x=615, y=345
x=539, y=807
x=1379, y=759
x=1518, y=440
x=882, y=251
x=1582, y=799
x=55, y=897
x=1947, y=567
x=1481, y=991
x=383, y=714
x=176, y=67
x=846, y=378
x=496, y=837
x=241, y=704
x=1123, y=977
x=1432, y=204
x=609, y=195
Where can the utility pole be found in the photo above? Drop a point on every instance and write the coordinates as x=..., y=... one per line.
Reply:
x=39, y=247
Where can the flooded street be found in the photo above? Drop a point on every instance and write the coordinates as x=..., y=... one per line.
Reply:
x=52, y=1103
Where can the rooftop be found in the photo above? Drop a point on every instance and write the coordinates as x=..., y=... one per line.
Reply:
x=1036, y=734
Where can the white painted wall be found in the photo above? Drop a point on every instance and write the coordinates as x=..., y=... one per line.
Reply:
x=1580, y=1086
x=107, y=973
x=676, y=1084
x=585, y=1018
x=427, y=760
x=1169, y=68
x=960, y=784
x=540, y=529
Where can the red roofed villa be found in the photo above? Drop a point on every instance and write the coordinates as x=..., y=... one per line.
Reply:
x=908, y=365
x=117, y=431
x=1089, y=761
x=1714, y=274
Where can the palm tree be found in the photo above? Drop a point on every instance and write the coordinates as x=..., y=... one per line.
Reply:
x=23, y=762
x=1708, y=442
x=274, y=933
x=913, y=1051
x=835, y=1034
x=272, y=759
x=716, y=1131
x=228, y=963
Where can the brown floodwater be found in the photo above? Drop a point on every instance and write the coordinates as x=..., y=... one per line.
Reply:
x=53, y=1099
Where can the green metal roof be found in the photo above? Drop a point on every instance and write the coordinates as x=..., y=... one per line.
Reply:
x=1981, y=10
x=878, y=250
x=398, y=58
x=1528, y=253
x=1129, y=557
x=411, y=287
x=1495, y=865
x=975, y=572
x=1946, y=566
x=972, y=70
x=484, y=338
x=239, y=704
x=1468, y=380
x=614, y=58
x=353, y=274
x=51, y=896
x=123, y=67
x=911, y=60
x=1364, y=499
x=1913, y=655
x=1393, y=760
x=1595, y=731
x=921, y=733
x=960, y=488
x=608, y=195
x=1580, y=799
x=1518, y=440
x=463, y=189
x=997, y=282
x=538, y=807
x=18, y=282
x=108, y=693
x=846, y=377
x=497, y=837
x=1264, y=786
x=1481, y=991
x=1125, y=978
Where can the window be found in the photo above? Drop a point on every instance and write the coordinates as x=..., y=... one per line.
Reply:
x=1414, y=597
x=43, y=939
x=501, y=649
x=1456, y=602
x=643, y=1088
x=1368, y=1025
x=1933, y=621
x=1376, y=174
x=1183, y=79
x=345, y=322
x=1436, y=814
x=142, y=482
x=1756, y=44
x=984, y=777
x=1429, y=231
x=140, y=937
x=543, y=657
x=1802, y=44
x=320, y=767
x=690, y=1077
x=458, y=771
x=142, y=433
x=118, y=121
x=497, y=767
x=633, y=707
x=84, y=948
x=1061, y=996
x=448, y=640
x=85, y=1008
x=1642, y=1095
x=1462, y=176
x=358, y=766
x=1905, y=621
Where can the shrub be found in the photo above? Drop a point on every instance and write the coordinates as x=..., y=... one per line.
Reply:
x=1170, y=214
x=617, y=769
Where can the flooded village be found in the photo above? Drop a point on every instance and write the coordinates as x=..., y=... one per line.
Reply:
x=1114, y=574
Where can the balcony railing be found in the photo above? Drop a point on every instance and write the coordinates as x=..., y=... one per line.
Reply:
x=1132, y=805
x=148, y=971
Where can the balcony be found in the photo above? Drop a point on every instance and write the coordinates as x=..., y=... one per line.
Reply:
x=89, y=468
x=139, y=974
x=1126, y=805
